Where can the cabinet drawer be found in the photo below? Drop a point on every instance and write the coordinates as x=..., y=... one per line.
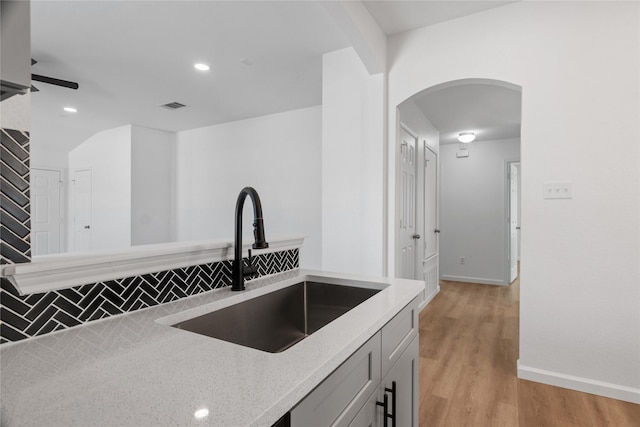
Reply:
x=398, y=334
x=338, y=399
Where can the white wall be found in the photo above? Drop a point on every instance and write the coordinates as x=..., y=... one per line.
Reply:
x=108, y=155
x=472, y=211
x=578, y=65
x=412, y=117
x=14, y=112
x=44, y=158
x=279, y=155
x=152, y=178
x=352, y=165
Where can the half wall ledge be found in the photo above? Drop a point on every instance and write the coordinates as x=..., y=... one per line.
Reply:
x=61, y=271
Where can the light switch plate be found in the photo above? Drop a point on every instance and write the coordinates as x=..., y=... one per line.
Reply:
x=557, y=190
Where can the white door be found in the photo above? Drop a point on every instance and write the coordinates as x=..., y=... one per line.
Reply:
x=82, y=210
x=513, y=221
x=45, y=211
x=407, y=237
x=430, y=203
x=429, y=263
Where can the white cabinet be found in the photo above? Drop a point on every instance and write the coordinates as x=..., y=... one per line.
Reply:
x=369, y=414
x=353, y=395
x=397, y=334
x=401, y=384
x=341, y=395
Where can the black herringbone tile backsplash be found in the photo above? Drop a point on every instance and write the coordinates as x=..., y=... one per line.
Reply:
x=15, y=206
x=38, y=314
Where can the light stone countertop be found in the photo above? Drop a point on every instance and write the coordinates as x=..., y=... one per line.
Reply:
x=133, y=370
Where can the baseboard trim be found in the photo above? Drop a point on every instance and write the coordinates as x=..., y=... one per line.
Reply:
x=429, y=298
x=585, y=385
x=473, y=280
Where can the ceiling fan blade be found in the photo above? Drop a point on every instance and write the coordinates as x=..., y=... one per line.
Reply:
x=52, y=81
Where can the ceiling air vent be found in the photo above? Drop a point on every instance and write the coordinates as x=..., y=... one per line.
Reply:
x=173, y=105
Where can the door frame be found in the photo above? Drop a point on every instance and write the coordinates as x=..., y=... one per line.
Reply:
x=507, y=212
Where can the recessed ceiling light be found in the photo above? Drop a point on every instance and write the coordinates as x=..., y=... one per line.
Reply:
x=466, y=137
x=70, y=110
x=201, y=413
x=201, y=67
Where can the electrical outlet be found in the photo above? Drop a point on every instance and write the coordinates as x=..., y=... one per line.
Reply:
x=462, y=260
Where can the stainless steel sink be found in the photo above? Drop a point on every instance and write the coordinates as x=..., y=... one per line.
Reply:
x=278, y=320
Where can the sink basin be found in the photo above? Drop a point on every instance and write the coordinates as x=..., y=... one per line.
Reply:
x=276, y=321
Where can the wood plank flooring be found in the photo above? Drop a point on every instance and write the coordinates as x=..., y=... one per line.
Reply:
x=468, y=354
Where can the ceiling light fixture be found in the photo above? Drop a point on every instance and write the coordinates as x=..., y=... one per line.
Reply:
x=201, y=413
x=70, y=110
x=201, y=67
x=466, y=137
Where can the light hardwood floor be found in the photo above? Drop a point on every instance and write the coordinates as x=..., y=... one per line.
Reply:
x=468, y=354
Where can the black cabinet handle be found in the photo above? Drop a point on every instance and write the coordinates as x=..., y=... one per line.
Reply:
x=392, y=390
x=385, y=410
x=385, y=405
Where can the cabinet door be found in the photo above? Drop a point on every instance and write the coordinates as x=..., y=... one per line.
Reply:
x=405, y=375
x=369, y=414
x=398, y=334
x=339, y=398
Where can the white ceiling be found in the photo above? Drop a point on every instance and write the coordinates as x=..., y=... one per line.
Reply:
x=399, y=16
x=131, y=57
x=490, y=111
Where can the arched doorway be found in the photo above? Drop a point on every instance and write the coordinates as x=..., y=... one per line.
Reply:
x=458, y=193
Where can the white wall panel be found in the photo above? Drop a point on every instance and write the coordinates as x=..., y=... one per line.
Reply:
x=473, y=221
x=152, y=177
x=352, y=166
x=279, y=155
x=108, y=155
x=580, y=271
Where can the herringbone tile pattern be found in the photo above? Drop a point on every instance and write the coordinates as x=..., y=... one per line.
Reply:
x=38, y=314
x=15, y=206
